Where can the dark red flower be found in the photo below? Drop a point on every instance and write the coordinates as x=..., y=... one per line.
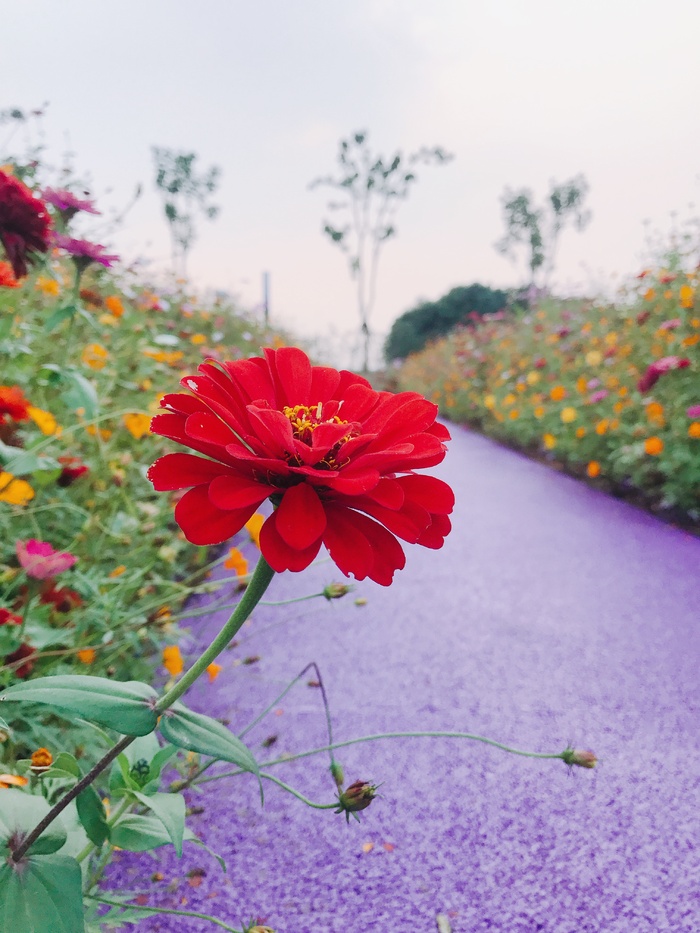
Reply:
x=9, y=618
x=63, y=598
x=24, y=651
x=24, y=224
x=335, y=457
x=658, y=368
x=73, y=468
x=7, y=276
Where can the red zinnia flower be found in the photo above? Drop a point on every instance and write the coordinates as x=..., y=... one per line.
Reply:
x=656, y=369
x=73, y=468
x=63, y=598
x=24, y=223
x=9, y=618
x=336, y=458
x=7, y=276
x=24, y=651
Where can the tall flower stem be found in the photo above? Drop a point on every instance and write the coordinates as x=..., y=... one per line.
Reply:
x=259, y=583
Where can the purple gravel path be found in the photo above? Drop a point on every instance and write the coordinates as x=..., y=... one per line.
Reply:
x=553, y=614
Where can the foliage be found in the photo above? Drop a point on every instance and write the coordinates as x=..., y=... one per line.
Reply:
x=538, y=228
x=184, y=192
x=564, y=382
x=371, y=188
x=431, y=319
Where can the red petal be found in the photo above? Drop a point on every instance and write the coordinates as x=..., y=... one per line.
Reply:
x=428, y=491
x=300, y=517
x=178, y=471
x=291, y=369
x=387, y=553
x=434, y=535
x=278, y=554
x=273, y=429
x=388, y=493
x=409, y=523
x=203, y=523
x=237, y=492
x=348, y=546
x=203, y=426
x=324, y=382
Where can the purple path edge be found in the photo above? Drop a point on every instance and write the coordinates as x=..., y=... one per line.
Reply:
x=553, y=614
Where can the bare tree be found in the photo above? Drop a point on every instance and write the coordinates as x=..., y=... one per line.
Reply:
x=372, y=188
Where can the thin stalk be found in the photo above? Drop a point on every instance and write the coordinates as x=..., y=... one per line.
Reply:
x=165, y=910
x=297, y=794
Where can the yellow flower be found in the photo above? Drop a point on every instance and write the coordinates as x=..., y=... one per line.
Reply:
x=164, y=356
x=694, y=430
x=568, y=415
x=87, y=655
x=44, y=420
x=236, y=561
x=489, y=402
x=214, y=670
x=533, y=378
x=509, y=400
x=172, y=660
x=198, y=339
x=549, y=441
x=593, y=469
x=95, y=356
x=538, y=412
x=104, y=433
x=653, y=446
x=47, y=286
x=594, y=357
x=610, y=339
x=253, y=526
x=514, y=414
x=649, y=294
x=137, y=424
x=118, y=571
x=14, y=491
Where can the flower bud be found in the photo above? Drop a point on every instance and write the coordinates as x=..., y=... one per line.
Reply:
x=337, y=773
x=336, y=590
x=42, y=759
x=576, y=756
x=358, y=796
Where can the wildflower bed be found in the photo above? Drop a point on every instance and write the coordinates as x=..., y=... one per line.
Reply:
x=612, y=392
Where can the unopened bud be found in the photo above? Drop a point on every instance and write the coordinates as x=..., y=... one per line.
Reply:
x=358, y=796
x=336, y=590
x=42, y=759
x=576, y=756
x=360, y=601
x=337, y=772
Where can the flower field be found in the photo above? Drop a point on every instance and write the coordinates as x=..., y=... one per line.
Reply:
x=610, y=391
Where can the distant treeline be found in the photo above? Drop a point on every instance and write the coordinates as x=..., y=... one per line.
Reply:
x=432, y=319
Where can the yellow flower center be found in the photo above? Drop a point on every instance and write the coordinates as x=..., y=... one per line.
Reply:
x=306, y=418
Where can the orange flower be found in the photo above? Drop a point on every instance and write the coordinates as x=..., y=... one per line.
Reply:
x=14, y=491
x=253, y=526
x=557, y=393
x=13, y=780
x=655, y=413
x=653, y=446
x=42, y=759
x=137, y=424
x=198, y=339
x=568, y=415
x=694, y=430
x=593, y=469
x=649, y=294
x=236, y=561
x=549, y=441
x=538, y=412
x=580, y=432
x=686, y=294
x=582, y=385
x=602, y=426
x=164, y=356
x=172, y=660
x=7, y=276
x=690, y=341
x=113, y=303
x=44, y=420
x=214, y=670
x=118, y=571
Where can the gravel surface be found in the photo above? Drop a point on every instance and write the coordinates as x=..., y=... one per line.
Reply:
x=553, y=615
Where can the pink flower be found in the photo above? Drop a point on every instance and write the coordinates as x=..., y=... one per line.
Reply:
x=598, y=396
x=40, y=561
x=66, y=202
x=658, y=368
x=671, y=324
x=693, y=411
x=83, y=252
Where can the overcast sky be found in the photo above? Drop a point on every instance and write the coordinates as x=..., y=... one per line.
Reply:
x=521, y=91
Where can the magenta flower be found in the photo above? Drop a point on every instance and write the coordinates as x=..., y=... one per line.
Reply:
x=83, y=252
x=671, y=324
x=693, y=411
x=66, y=203
x=40, y=561
x=658, y=368
x=598, y=396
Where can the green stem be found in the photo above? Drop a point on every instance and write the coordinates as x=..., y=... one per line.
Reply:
x=299, y=796
x=165, y=910
x=393, y=735
x=259, y=583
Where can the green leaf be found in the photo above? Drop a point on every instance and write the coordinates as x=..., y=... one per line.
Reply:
x=81, y=393
x=20, y=813
x=92, y=815
x=198, y=733
x=4, y=726
x=60, y=314
x=170, y=810
x=126, y=707
x=138, y=833
x=45, y=896
x=67, y=762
